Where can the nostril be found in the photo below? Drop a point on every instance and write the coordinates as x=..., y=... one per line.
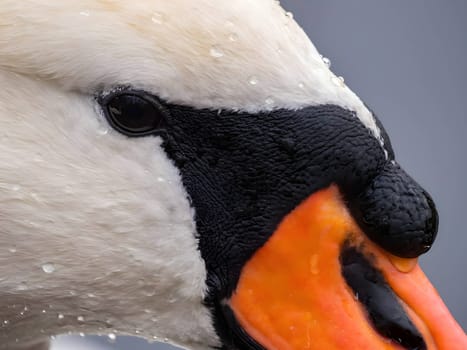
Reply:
x=396, y=213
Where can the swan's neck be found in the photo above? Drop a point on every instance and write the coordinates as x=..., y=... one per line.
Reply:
x=120, y=301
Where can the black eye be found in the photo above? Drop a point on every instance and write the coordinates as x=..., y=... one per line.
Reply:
x=133, y=113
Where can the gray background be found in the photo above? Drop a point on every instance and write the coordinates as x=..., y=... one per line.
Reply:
x=407, y=60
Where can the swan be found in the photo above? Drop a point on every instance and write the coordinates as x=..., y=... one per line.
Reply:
x=193, y=172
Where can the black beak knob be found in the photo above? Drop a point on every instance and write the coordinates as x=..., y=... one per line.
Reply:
x=396, y=213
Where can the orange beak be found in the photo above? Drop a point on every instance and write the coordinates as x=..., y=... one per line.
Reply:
x=294, y=292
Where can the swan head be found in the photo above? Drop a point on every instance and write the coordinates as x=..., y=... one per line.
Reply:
x=193, y=171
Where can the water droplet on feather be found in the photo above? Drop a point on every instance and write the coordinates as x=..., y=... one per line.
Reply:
x=48, y=268
x=326, y=61
x=103, y=130
x=253, y=80
x=216, y=51
x=158, y=18
x=339, y=81
x=233, y=37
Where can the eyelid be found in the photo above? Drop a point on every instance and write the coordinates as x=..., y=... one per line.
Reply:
x=104, y=97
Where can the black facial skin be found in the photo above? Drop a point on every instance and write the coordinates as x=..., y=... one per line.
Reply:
x=381, y=304
x=230, y=331
x=245, y=172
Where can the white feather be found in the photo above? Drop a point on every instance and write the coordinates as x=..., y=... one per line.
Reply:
x=232, y=54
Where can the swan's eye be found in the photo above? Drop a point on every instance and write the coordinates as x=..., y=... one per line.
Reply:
x=133, y=113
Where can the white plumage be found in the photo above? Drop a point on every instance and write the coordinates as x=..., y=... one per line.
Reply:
x=97, y=233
